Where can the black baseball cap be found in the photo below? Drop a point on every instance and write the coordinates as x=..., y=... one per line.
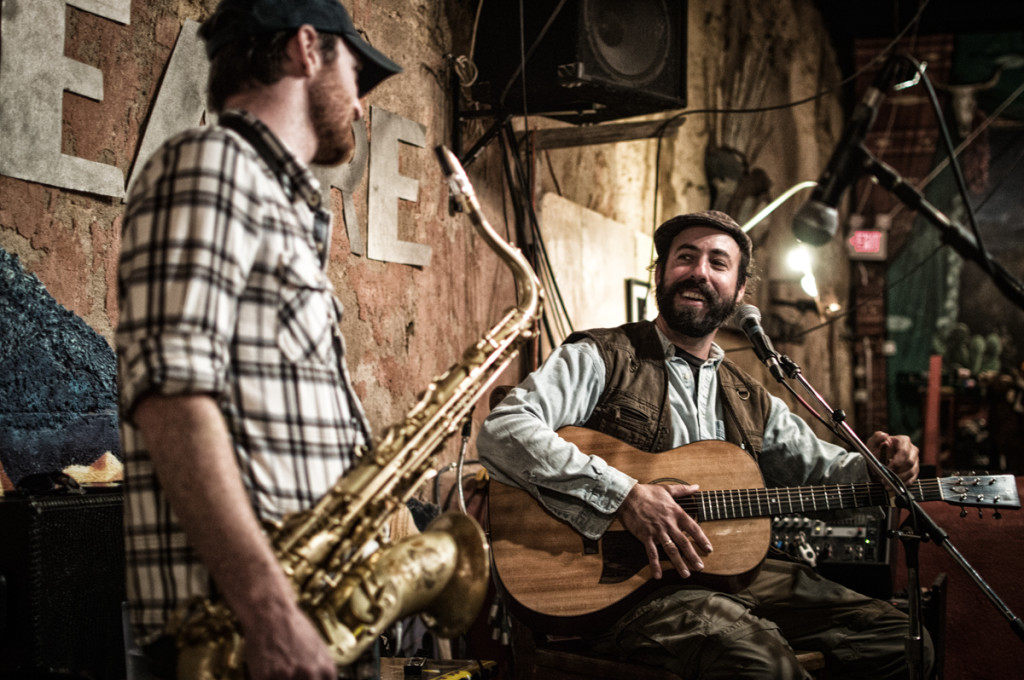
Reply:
x=715, y=219
x=237, y=19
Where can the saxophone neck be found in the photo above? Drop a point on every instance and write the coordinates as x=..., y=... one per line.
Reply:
x=528, y=286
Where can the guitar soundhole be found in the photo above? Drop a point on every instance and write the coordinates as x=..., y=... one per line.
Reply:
x=622, y=556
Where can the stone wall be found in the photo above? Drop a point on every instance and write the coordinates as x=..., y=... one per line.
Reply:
x=405, y=324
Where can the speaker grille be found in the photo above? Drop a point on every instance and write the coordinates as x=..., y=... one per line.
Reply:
x=597, y=60
x=63, y=564
x=630, y=41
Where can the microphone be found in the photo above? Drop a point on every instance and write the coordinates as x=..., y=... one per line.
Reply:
x=816, y=222
x=748, y=317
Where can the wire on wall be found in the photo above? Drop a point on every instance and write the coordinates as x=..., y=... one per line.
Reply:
x=556, y=322
x=520, y=180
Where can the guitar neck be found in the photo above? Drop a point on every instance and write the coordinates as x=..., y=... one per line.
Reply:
x=741, y=493
x=708, y=506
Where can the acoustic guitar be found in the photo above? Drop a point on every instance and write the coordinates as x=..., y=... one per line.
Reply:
x=560, y=580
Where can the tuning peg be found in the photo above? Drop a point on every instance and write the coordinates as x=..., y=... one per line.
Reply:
x=963, y=511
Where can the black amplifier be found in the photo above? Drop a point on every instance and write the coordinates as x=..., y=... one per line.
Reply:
x=851, y=547
x=62, y=584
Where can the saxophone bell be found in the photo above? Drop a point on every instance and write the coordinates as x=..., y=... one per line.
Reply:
x=441, y=573
x=455, y=609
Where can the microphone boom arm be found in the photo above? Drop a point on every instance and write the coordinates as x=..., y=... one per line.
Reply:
x=962, y=241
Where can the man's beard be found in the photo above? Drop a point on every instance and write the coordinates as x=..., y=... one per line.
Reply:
x=330, y=110
x=694, y=322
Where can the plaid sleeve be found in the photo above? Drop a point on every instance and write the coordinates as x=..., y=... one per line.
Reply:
x=189, y=240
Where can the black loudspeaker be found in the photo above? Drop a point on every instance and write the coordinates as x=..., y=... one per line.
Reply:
x=62, y=573
x=595, y=60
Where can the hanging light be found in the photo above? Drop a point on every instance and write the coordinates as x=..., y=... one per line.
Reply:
x=809, y=285
x=799, y=260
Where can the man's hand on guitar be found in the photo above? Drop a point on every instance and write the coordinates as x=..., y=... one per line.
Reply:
x=897, y=452
x=651, y=513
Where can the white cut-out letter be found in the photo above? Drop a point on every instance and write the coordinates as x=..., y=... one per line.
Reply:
x=181, y=101
x=387, y=186
x=34, y=73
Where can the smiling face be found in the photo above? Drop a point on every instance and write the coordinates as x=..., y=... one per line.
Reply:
x=697, y=283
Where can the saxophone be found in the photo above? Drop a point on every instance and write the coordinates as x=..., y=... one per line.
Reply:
x=349, y=589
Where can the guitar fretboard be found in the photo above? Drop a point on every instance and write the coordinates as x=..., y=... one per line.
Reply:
x=740, y=503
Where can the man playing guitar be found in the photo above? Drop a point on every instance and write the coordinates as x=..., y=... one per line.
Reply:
x=661, y=385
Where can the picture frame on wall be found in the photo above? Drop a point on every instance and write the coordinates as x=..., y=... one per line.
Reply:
x=638, y=306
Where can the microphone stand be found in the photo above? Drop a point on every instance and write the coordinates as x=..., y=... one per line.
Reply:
x=918, y=527
x=962, y=241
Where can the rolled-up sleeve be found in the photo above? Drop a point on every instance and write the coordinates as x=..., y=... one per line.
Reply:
x=519, y=444
x=793, y=455
x=188, y=245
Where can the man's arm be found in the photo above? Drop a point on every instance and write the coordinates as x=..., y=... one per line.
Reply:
x=518, y=444
x=194, y=459
x=793, y=455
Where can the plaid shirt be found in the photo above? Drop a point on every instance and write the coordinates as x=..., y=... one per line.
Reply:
x=223, y=292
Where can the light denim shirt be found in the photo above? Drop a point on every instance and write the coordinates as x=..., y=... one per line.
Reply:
x=518, y=444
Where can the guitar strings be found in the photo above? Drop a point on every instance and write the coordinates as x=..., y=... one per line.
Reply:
x=741, y=503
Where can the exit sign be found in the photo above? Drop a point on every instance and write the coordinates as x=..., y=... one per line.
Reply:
x=867, y=244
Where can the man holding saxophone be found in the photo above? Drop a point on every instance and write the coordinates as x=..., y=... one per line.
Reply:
x=236, y=401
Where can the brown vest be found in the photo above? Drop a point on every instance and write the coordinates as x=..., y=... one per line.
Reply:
x=634, y=406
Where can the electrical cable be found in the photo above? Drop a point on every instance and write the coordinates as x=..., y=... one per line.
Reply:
x=539, y=248
x=881, y=56
x=526, y=54
x=524, y=209
x=476, y=27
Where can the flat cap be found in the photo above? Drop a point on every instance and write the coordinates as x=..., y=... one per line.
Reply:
x=668, y=230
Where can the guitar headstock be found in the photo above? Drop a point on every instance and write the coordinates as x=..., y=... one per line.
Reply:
x=981, y=491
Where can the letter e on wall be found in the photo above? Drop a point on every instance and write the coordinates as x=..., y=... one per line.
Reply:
x=34, y=73
x=387, y=186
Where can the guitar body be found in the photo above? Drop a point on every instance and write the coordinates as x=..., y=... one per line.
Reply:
x=548, y=569
x=562, y=582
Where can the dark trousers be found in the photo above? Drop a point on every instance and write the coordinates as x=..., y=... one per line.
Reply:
x=699, y=633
